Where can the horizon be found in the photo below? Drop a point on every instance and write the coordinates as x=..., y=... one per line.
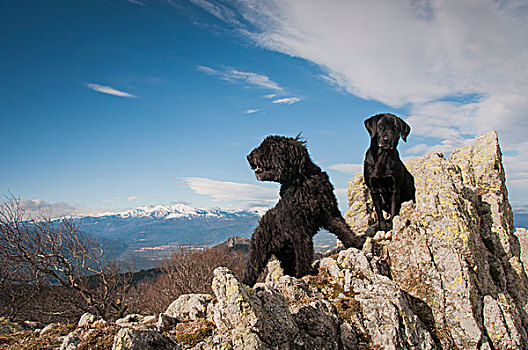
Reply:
x=116, y=104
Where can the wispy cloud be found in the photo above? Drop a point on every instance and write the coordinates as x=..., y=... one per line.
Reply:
x=252, y=111
x=207, y=70
x=218, y=10
x=133, y=198
x=232, y=74
x=109, y=90
x=287, y=100
x=231, y=193
x=137, y=2
x=38, y=209
x=346, y=168
x=253, y=79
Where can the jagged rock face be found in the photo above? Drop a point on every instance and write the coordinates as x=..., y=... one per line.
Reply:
x=378, y=309
x=455, y=251
x=360, y=215
x=522, y=234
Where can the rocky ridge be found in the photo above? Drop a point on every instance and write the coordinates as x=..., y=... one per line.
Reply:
x=450, y=274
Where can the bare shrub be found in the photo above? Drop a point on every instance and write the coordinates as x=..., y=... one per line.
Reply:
x=186, y=271
x=49, y=267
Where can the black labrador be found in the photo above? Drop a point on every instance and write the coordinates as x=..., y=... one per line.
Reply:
x=387, y=178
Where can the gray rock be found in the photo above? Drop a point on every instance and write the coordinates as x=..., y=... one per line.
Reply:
x=165, y=323
x=48, y=329
x=134, y=320
x=189, y=307
x=522, y=236
x=245, y=313
x=374, y=305
x=86, y=320
x=71, y=342
x=130, y=339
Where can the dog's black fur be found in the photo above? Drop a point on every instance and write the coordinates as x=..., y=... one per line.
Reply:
x=307, y=203
x=389, y=181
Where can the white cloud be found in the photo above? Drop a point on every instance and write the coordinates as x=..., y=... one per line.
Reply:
x=287, y=100
x=137, y=2
x=252, y=78
x=109, y=90
x=133, y=198
x=232, y=192
x=218, y=10
x=351, y=169
x=252, y=111
x=207, y=70
x=419, y=55
x=270, y=96
x=398, y=52
x=232, y=74
x=40, y=209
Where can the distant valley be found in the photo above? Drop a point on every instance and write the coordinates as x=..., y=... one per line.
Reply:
x=145, y=235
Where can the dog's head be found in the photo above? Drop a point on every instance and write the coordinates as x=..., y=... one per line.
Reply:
x=280, y=159
x=385, y=130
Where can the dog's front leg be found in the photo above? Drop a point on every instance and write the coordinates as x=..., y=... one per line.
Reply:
x=259, y=254
x=395, y=203
x=378, y=203
x=304, y=252
x=338, y=226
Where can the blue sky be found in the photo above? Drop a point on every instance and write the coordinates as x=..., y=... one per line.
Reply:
x=115, y=103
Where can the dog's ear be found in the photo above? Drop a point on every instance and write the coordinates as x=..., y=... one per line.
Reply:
x=370, y=124
x=405, y=129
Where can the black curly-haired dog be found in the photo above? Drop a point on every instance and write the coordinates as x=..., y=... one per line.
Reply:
x=307, y=203
x=387, y=178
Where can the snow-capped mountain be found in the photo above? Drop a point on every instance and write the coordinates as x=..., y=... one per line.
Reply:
x=167, y=212
x=151, y=232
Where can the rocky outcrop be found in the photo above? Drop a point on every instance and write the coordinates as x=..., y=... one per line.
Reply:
x=449, y=274
x=455, y=252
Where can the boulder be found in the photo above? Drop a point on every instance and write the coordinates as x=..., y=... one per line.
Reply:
x=71, y=341
x=133, y=339
x=189, y=307
x=87, y=319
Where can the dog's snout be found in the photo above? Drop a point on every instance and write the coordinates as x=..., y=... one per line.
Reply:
x=385, y=139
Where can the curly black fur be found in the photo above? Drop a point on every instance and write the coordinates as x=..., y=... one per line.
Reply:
x=307, y=203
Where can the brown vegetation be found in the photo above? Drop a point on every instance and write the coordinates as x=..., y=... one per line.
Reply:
x=50, y=271
x=186, y=271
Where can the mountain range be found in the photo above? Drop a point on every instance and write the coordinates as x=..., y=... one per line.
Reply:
x=146, y=234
